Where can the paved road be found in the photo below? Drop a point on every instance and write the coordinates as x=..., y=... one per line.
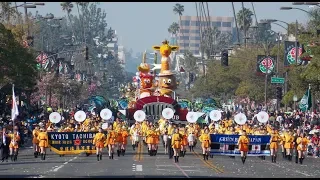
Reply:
x=139, y=164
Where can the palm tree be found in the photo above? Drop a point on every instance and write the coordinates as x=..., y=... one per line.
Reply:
x=244, y=19
x=173, y=29
x=67, y=6
x=179, y=9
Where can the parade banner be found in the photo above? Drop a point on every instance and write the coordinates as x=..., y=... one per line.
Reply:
x=222, y=144
x=290, y=51
x=265, y=64
x=71, y=142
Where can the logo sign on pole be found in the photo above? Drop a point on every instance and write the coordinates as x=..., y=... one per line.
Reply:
x=105, y=114
x=80, y=116
x=265, y=64
x=215, y=115
x=167, y=113
x=262, y=117
x=55, y=117
x=139, y=116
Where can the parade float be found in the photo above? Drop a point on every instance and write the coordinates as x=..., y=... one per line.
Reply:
x=154, y=91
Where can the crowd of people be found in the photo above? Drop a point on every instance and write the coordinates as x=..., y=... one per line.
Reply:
x=292, y=133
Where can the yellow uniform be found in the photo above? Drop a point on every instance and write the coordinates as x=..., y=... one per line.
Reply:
x=43, y=139
x=35, y=133
x=275, y=138
x=302, y=144
x=111, y=137
x=288, y=141
x=176, y=141
x=14, y=143
x=244, y=143
x=205, y=140
x=99, y=140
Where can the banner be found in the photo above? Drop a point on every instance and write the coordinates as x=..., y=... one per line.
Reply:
x=306, y=101
x=290, y=51
x=71, y=142
x=226, y=145
x=265, y=63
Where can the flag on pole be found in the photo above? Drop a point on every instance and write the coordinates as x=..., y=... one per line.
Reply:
x=14, y=110
x=305, y=102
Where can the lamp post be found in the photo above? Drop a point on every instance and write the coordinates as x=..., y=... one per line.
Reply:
x=295, y=99
x=26, y=6
x=289, y=8
x=307, y=3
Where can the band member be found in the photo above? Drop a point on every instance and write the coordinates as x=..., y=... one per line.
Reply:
x=4, y=145
x=184, y=142
x=302, y=143
x=43, y=142
x=135, y=135
x=170, y=133
x=118, y=142
x=205, y=143
x=165, y=141
x=295, y=137
x=14, y=145
x=288, y=144
x=275, y=138
x=243, y=144
x=176, y=144
x=124, y=136
x=111, y=141
x=35, y=141
x=282, y=142
x=99, y=141
x=191, y=139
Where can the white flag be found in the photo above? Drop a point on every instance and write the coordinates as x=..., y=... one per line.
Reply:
x=14, y=110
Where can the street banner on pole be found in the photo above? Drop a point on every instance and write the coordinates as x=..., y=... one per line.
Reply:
x=305, y=102
x=264, y=64
x=290, y=51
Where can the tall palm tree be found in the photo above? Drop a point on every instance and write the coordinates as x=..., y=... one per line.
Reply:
x=67, y=6
x=173, y=29
x=244, y=19
x=179, y=9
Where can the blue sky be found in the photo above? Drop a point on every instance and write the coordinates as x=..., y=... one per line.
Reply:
x=141, y=25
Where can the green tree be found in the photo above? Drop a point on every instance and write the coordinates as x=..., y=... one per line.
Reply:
x=244, y=19
x=174, y=28
x=179, y=10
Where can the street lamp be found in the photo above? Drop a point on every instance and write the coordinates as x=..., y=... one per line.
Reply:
x=289, y=8
x=276, y=20
x=307, y=3
x=295, y=99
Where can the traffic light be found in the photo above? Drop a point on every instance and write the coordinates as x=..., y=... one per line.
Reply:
x=87, y=53
x=224, y=58
x=279, y=93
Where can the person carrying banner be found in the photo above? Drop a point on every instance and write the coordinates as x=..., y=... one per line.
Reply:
x=35, y=141
x=275, y=138
x=99, y=141
x=14, y=145
x=302, y=143
x=243, y=144
x=205, y=140
x=43, y=142
x=288, y=145
x=176, y=144
x=124, y=137
x=111, y=141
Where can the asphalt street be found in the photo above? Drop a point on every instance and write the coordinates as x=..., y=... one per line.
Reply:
x=137, y=164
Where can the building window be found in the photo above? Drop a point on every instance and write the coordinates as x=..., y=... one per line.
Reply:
x=184, y=38
x=195, y=52
x=195, y=38
x=181, y=51
x=185, y=23
x=194, y=45
x=184, y=30
x=195, y=23
x=216, y=24
x=184, y=44
x=226, y=24
x=195, y=31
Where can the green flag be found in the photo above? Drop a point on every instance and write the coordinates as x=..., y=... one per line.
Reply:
x=305, y=102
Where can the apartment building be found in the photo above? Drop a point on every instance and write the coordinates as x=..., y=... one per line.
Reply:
x=189, y=33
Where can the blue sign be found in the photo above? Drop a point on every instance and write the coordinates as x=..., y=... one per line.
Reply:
x=222, y=144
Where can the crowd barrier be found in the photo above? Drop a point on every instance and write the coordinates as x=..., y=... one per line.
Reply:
x=222, y=144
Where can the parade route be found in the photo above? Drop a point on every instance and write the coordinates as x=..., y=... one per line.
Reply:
x=139, y=164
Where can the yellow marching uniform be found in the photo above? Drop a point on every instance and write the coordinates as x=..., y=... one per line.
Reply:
x=205, y=140
x=99, y=140
x=43, y=143
x=14, y=143
x=288, y=145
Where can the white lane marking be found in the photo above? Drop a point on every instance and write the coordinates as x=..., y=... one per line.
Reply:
x=299, y=172
x=65, y=163
x=179, y=170
x=138, y=167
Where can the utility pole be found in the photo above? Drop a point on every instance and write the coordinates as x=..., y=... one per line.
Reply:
x=277, y=64
x=244, y=24
x=26, y=18
x=296, y=42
